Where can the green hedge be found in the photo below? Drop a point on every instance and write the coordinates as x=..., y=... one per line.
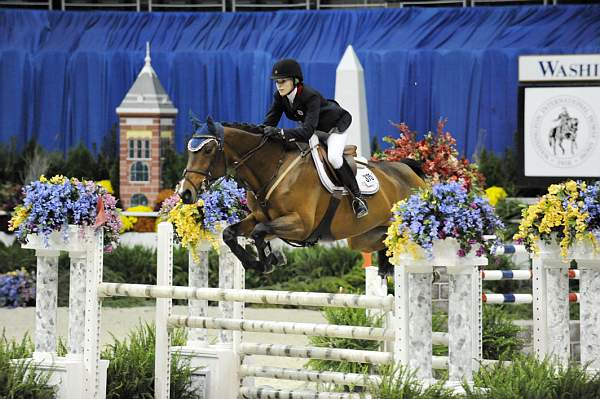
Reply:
x=316, y=269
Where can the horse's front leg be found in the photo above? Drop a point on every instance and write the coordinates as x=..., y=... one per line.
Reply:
x=288, y=226
x=230, y=235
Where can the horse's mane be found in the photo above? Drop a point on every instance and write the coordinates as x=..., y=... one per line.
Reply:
x=246, y=127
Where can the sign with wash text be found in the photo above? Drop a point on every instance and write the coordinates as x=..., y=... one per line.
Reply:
x=548, y=68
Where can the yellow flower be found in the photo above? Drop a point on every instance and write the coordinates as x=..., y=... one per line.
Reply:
x=139, y=208
x=18, y=217
x=399, y=243
x=58, y=179
x=571, y=186
x=188, y=226
x=127, y=223
x=107, y=186
x=495, y=194
x=554, y=189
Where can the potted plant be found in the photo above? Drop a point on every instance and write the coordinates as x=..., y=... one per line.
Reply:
x=437, y=153
x=203, y=222
x=59, y=209
x=565, y=222
x=442, y=221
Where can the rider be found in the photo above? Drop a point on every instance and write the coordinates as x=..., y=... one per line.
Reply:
x=564, y=118
x=306, y=105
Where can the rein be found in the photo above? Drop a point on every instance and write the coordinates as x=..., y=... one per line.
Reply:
x=259, y=194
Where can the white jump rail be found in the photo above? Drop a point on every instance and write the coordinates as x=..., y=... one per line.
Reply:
x=408, y=314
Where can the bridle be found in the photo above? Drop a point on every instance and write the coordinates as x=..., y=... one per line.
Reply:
x=209, y=179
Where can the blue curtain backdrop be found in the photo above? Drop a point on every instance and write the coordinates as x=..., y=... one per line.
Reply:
x=62, y=74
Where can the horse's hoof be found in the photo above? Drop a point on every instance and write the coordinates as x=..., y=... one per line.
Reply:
x=278, y=258
x=268, y=268
x=385, y=271
x=253, y=265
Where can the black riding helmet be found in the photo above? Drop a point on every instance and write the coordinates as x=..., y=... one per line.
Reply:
x=287, y=68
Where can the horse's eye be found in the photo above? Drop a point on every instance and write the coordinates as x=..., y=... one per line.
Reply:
x=207, y=150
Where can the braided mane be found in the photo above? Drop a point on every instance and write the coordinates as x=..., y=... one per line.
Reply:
x=247, y=127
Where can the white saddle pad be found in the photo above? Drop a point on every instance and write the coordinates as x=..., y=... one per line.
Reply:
x=367, y=181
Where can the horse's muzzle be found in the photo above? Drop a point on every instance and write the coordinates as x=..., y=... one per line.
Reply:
x=186, y=197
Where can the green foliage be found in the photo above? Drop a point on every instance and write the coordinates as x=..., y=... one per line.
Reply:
x=400, y=383
x=131, y=367
x=439, y=323
x=500, y=335
x=510, y=213
x=15, y=258
x=313, y=269
x=81, y=164
x=499, y=171
x=20, y=379
x=345, y=317
x=172, y=164
x=530, y=378
x=9, y=162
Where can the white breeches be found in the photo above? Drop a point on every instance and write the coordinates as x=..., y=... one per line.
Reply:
x=335, y=148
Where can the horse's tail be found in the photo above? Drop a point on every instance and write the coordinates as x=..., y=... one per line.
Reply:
x=416, y=166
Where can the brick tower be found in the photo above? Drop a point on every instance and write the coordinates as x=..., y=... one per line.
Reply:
x=146, y=121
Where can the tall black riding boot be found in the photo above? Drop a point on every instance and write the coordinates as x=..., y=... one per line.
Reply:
x=359, y=205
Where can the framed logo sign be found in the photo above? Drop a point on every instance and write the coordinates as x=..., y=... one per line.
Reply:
x=559, y=134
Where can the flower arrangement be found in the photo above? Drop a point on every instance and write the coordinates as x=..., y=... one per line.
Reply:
x=224, y=204
x=445, y=210
x=567, y=214
x=16, y=289
x=437, y=152
x=53, y=204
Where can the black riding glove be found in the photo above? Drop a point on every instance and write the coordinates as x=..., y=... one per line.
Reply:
x=270, y=131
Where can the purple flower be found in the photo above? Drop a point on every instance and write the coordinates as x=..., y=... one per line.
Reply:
x=53, y=206
x=225, y=202
x=16, y=289
x=448, y=210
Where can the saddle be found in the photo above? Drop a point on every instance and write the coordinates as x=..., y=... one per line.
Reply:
x=366, y=179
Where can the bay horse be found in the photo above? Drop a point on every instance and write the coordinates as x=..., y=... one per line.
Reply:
x=286, y=201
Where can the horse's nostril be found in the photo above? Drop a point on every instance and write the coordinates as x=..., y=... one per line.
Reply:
x=186, y=197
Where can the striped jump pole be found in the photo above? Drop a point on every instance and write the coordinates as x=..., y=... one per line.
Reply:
x=517, y=299
x=509, y=249
x=494, y=275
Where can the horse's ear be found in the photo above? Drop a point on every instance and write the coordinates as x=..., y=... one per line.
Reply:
x=195, y=121
x=210, y=124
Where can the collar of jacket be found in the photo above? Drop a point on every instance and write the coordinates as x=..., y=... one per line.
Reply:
x=292, y=95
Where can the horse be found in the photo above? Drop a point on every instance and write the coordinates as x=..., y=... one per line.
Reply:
x=285, y=195
x=567, y=132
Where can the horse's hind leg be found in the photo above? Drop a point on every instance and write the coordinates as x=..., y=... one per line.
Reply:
x=385, y=266
x=372, y=241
